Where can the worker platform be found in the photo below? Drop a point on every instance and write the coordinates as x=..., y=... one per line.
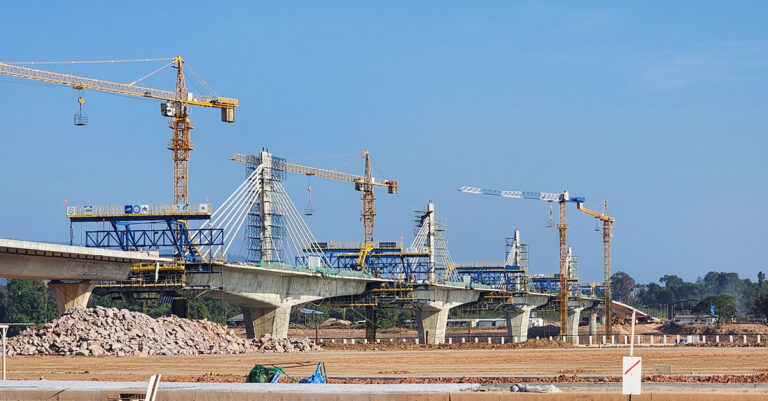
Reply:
x=135, y=227
x=140, y=212
x=386, y=259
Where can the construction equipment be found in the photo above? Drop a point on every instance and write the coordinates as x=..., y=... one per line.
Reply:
x=364, y=183
x=174, y=105
x=607, y=226
x=562, y=227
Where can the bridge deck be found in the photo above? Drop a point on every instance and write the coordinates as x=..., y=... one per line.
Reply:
x=29, y=248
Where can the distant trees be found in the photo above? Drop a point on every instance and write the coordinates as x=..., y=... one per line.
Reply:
x=26, y=301
x=725, y=308
x=622, y=286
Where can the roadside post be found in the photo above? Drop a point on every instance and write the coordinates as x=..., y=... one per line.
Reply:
x=631, y=377
x=3, y=330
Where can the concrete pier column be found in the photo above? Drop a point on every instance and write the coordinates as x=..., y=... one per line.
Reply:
x=431, y=324
x=180, y=307
x=518, y=317
x=71, y=295
x=432, y=304
x=370, y=323
x=593, y=325
x=572, y=329
x=272, y=320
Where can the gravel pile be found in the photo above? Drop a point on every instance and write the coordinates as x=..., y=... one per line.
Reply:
x=110, y=331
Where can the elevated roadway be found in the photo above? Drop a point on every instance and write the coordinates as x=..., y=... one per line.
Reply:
x=70, y=269
x=267, y=293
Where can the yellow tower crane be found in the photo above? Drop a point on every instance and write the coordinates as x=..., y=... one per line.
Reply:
x=562, y=228
x=364, y=183
x=175, y=105
x=607, y=226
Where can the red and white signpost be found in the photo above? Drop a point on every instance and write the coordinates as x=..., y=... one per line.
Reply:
x=632, y=368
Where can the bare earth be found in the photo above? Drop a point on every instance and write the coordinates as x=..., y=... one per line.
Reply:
x=403, y=364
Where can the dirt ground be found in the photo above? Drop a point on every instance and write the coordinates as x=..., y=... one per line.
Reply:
x=565, y=362
x=550, y=330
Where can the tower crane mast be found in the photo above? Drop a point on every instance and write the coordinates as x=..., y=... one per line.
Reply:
x=607, y=226
x=175, y=105
x=562, y=199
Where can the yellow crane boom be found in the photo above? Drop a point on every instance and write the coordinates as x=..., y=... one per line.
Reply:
x=175, y=106
x=607, y=226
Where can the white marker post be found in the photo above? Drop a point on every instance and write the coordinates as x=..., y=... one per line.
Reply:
x=631, y=376
x=3, y=331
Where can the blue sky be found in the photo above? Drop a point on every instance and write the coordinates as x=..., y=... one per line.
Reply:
x=658, y=107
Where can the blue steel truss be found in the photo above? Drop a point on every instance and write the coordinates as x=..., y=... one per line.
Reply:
x=176, y=236
x=550, y=284
x=508, y=278
x=383, y=262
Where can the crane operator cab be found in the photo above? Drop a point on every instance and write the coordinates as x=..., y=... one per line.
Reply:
x=168, y=109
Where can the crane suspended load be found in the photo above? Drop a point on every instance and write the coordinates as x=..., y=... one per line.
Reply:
x=175, y=104
x=562, y=199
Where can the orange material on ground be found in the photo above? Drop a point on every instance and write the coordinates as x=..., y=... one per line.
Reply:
x=566, y=362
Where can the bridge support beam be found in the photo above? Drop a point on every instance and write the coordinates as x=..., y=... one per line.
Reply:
x=432, y=304
x=593, y=325
x=180, y=307
x=71, y=295
x=270, y=320
x=266, y=293
x=574, y=315
x=432, y=323
x=370, y=323
x=518, y=315
x=517, y=322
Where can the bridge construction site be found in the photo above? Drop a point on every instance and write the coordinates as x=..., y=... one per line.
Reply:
x=178, y=251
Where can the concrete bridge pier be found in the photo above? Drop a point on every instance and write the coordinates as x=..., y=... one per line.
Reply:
x=180, y=307
x=370, y=323
x=518, y=315
x=593, y=325
x=71, y=294
x=572, y=329
x=574, y=316
x=432, y=305
x=267, y=293
x=269, y=319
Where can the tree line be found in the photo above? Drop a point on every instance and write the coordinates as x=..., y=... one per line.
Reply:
x=730, y=294
x=30, y=301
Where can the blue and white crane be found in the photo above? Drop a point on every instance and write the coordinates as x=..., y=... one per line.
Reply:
x=562, y=199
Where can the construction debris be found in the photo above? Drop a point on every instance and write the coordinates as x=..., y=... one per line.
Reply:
x=110, y=331
x=530, y=388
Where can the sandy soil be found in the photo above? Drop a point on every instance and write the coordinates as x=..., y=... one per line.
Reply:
x=643, y=329
x=412, y=363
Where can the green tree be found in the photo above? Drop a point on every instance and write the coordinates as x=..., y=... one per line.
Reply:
x=671, y=280
x=759, y=303
x=28, y=301
x=3, y=304
x=725, y=307
x=622, y=286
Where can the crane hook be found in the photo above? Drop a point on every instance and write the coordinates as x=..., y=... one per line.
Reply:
x=80, y=117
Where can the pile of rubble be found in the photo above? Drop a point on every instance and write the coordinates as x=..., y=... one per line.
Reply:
x=110, y=331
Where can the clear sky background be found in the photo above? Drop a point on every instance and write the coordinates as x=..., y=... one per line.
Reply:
x=658, y=107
